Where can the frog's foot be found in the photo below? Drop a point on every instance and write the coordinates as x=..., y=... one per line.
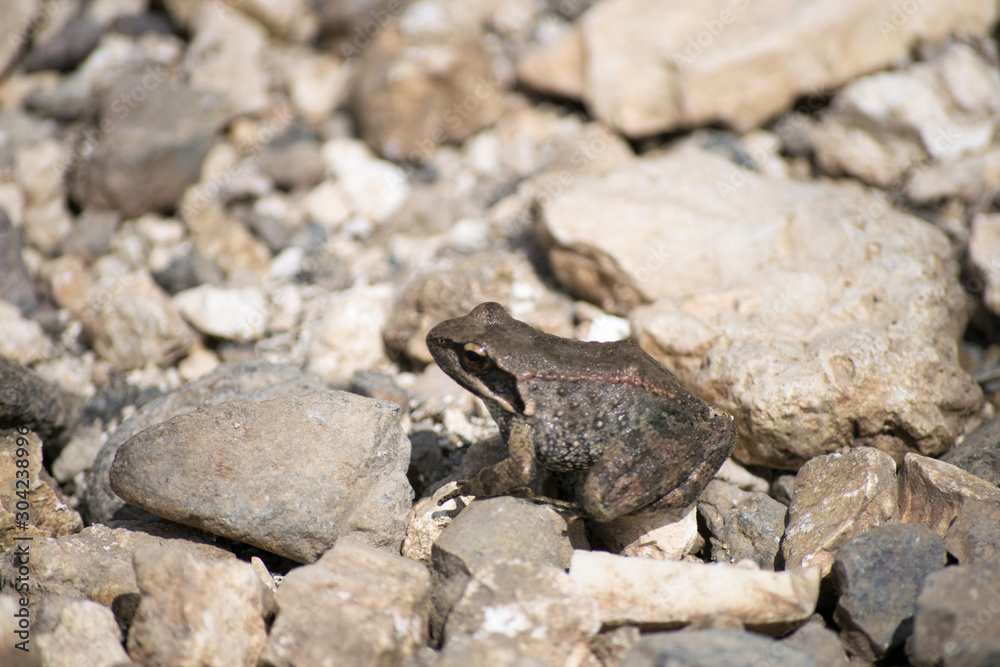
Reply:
x=459, y=490
x=571, y=509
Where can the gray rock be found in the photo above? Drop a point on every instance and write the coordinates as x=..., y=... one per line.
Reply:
x=67, y=49
x=536, y=605
x=91, y=234
x=820, y=642
x=838, y=497
x=293, y=162
x=979, y=452
x=488, y=531
x=197, y=612
x=713, y=648
x=72, y=632
x=28, y=401
x=156, y=133
x=31, y=502
x=487, y=651
x=957, y=620
x=227, y=469
x=743, y=525
x=255, y=380
x=878, y=575
x=96, y=563
x=974, y=535
x=356, y=605
x=16, y=284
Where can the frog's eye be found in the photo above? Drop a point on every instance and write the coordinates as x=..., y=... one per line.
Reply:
x=474, y=357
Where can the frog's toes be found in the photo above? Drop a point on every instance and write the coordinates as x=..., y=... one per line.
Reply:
x=459, y=490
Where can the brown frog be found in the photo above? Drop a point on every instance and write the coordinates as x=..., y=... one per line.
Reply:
x=616, y=429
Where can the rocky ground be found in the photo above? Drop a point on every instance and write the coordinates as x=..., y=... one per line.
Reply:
x=228, y=225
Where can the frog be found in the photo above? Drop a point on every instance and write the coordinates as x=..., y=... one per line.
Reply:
x=618, y=432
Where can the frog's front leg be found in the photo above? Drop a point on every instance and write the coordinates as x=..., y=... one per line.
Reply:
x=514, y=472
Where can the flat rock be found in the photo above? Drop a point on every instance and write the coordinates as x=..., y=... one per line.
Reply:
x=453, y=287
x=649, y=66
x=239, y=314
x=356, y=605
x=444, y=87
x=957, y=620
x=72, y=632
x=131, y=322
x=665, y=592
x=933, y=493
x=225, y=469
x=837, y=497
x=664, y=535
x=31, y=503
x=254, y=380
x=750, y=303
x=878, y=576
x=156, y=132
x=879, y=127
x=347, y=337
x=712, y=648
x=197, y=612
x=535, y=605
x=96, y=563
x=743, y=525
x=488, y=531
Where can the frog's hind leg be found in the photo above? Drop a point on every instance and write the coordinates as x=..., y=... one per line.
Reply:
x=647, y=469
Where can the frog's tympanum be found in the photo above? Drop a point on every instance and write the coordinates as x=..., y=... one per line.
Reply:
x=616, y=429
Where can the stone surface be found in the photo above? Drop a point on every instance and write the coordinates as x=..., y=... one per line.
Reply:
x=742, y=525
x=535, y=605
x=454, y=287
x=31, y=503
x=96, y=563
x=356, y=605
x=374, y=188
x=428, y=519
x=197, y=612
x=78, y=632
x=806, y=360
x=957, y=621
x=347, y=337
x=443, y=84
x=838, y=497
x=246, y=381
x=131, y=321
x=881, y=126
x=820, y=642
x=649, y=66
x=933, y=493
x=15, y=281
x=974, y=535
x=973, y=178
x=154, y=135
x=28, y=401
x=979, y=451
x=488, y=531
x=226, y=469
x=21, y=340
x=712, y=648
x=878, y=576
x=239, y=314
x=221, y=238
x=661, y=535
x=984, y=255
x=663, y=592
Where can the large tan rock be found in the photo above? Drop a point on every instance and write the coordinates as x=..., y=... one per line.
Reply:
x=933, y=493
x=653, y=65
x=812, y=312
